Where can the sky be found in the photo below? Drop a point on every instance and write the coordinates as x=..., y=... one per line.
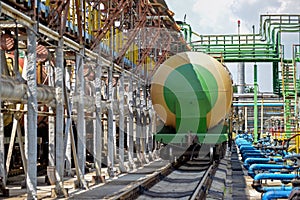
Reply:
x=221, y=16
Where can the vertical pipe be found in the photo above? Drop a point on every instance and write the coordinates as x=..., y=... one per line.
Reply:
x=81, y=133
x=31, y=136
x=241, y=78
x=59, y=90
x=255, y=105
x=121, y=121
x=246, y=119
x=276, y=87
x=262, y=117
x=98, y=120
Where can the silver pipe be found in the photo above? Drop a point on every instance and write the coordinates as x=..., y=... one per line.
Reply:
x=13, y=90
x=241, y=78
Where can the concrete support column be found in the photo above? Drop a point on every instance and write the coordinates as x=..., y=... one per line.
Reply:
x=31, y=136
x=59, y=135
x=98, y=120
x=121, y=123
x=81, y=132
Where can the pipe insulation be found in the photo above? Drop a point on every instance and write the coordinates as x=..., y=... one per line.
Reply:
x=13, y=90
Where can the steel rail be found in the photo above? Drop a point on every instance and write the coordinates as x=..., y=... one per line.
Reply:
x=198, y=193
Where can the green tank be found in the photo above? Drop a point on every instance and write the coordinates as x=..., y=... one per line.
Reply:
x=192, y=94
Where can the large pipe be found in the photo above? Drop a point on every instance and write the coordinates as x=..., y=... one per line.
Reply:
x=250, y=161
x=13, y=90
x=276, y=194
x=254, y=167
x=273, y=188
x=16, y=91
x=272, y=176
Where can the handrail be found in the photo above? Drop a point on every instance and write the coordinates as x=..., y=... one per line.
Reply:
x=263, y=46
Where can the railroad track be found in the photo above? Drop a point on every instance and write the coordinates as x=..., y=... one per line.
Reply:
x=187, y=180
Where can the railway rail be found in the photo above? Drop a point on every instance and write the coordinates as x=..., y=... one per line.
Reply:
x=186, y=180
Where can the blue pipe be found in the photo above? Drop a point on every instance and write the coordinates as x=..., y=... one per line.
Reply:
x=262, y=176
x=275, y=188
x=250, y=161
x=276, y=194
x=251, y=151
x=252, y=168
x=252, y=155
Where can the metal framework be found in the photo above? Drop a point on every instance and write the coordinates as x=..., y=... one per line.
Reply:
x=262, y=47
x=87, y=75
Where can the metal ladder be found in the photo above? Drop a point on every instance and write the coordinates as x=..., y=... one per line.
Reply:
x=289, y=91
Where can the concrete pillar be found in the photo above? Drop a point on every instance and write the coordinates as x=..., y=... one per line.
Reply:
x=31, y=136
x=121, y=123
x=81, y=132
x=98, y=120
x=59, y=96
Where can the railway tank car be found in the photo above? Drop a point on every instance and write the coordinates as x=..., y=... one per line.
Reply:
x=192, y=94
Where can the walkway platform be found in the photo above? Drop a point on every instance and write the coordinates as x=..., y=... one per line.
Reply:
x=111, y=187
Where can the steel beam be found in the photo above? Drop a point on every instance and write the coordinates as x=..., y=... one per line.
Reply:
x=81, y=131
x=59, y=135
x=130, y=128
x=2, y=149
x=121, y=123
x=31, y=136
x=98, y=120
